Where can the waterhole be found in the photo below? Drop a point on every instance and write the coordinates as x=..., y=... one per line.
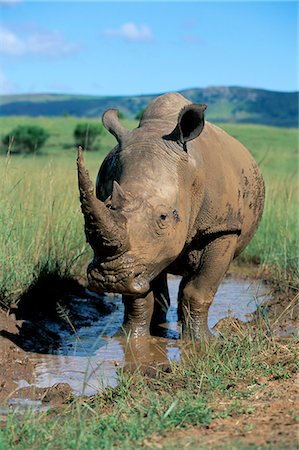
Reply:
x=88, y=354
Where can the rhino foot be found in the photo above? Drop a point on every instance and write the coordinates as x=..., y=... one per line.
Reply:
x=196, y=328
x=197, y=333
x=132, y=332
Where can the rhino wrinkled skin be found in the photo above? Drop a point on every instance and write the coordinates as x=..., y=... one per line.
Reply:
x=176, y=195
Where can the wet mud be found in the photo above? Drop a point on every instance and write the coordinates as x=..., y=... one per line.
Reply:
x=49, y=359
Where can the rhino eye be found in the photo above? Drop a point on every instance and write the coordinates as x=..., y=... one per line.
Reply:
x=163, y=221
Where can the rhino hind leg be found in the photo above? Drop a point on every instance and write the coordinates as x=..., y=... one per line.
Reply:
x=143, y=315
x=197, y=291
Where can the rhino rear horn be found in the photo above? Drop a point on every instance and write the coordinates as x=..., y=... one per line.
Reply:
x=112, y=124
x=118, y=197
x=190, y=124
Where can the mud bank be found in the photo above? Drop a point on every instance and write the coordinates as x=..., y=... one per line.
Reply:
x=51, y=361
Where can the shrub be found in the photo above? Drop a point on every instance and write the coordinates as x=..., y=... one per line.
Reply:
x=121, y=115
x=86, y=135
x=139, y=114
x=25, y=139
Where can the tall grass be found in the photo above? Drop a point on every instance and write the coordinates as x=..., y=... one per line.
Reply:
x=40, y=220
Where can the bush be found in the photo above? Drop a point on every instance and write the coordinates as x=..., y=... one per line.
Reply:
x=139, y=114
x=25, y=139
x=121, y=115
x=86, y=135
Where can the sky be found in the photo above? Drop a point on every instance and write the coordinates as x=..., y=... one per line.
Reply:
x=132, y=48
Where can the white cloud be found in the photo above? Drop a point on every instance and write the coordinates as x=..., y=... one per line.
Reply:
x=9, y=2
x=42, y=42
x=130, y=32
x=10, y=44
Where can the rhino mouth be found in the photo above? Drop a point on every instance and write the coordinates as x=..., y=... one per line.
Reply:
x=117, y=276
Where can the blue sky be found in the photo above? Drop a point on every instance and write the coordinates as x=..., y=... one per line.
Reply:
x=128, y=48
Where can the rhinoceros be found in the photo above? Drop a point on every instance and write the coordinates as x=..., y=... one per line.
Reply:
x=177, y=195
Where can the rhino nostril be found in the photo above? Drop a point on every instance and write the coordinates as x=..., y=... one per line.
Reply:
x=137, y=274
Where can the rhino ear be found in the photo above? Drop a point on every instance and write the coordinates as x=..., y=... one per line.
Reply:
x=190, y=124
x=112, y=124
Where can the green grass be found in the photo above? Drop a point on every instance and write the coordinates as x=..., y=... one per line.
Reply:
x=61, y=129
x=215, y=381
x=274, y=149
x=41, y=222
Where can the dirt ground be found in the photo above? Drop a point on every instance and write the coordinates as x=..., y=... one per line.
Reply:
x=269, y=418
x=16, y=366
x=14, y=362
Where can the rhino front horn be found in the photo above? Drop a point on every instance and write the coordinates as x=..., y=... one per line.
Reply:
x=112, y=124
x=105, y=229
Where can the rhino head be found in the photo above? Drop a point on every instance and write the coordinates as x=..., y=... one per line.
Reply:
x=139, y=219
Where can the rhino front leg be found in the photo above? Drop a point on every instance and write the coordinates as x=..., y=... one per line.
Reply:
x=161, y=303
x=197, y=291
x=138, y=314
x=143, y=315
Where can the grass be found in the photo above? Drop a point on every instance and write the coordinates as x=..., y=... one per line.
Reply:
x=40, y=220
x=274, y=149
x=61, y=141
x=41, y=223
x=213, y=382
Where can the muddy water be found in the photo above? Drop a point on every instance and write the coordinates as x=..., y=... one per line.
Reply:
x=88, y=354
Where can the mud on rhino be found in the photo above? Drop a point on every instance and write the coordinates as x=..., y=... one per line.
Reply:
x=176, y=195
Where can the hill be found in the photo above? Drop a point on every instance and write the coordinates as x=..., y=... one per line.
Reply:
x=225, y=104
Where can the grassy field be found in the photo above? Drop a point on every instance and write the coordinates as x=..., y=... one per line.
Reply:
x=228, y=382
x=41, y=224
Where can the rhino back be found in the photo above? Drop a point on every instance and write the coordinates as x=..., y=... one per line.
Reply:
x=233, y=186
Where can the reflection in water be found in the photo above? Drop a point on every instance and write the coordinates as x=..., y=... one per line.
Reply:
x=88, y=361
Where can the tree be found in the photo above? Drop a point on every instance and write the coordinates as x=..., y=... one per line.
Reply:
x=121, y=115
x=139, y=114
x=86, y=134
x=26, y=139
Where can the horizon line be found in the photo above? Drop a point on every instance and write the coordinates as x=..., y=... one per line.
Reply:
x=150, y=94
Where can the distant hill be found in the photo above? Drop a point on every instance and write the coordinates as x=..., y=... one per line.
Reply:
x=225, y=104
